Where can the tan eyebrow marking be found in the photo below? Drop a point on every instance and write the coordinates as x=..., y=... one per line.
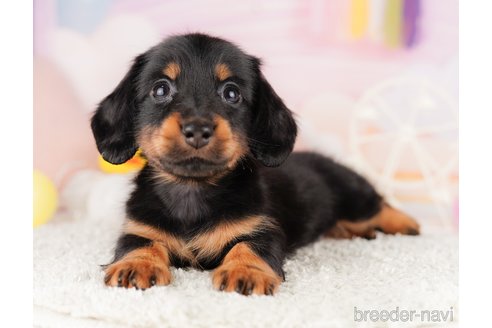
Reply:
x=172, y=70
x=222, y=72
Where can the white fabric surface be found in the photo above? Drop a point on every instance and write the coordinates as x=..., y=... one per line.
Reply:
x=325, y=281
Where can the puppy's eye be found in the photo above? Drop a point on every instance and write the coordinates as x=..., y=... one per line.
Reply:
x=231, y=94
x=161, y=90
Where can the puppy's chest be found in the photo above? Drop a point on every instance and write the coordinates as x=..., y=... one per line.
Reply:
x=198, y=251
x=206, y=246
x=187, y=203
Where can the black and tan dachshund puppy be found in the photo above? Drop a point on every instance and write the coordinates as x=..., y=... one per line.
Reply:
x=220, y=191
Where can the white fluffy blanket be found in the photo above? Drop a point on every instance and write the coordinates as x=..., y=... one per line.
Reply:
x=324, y=281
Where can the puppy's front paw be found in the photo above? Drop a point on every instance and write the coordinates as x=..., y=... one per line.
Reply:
x=245, y=279
x=137, y=272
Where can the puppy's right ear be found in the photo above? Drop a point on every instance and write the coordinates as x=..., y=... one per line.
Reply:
x=114, y=120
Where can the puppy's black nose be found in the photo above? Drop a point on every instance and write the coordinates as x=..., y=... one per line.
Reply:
x=197, y=134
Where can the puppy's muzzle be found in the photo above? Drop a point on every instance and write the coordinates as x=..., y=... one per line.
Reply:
x=198, y=132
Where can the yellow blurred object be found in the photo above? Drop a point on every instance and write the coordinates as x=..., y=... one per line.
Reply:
x=359, y=12
x=137, y=162
x=393, y=23
x=45, y=198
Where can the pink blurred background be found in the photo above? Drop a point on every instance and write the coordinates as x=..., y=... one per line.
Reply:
x=326, y=58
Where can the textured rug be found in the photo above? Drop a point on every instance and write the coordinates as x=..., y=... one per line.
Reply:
x=328, y=284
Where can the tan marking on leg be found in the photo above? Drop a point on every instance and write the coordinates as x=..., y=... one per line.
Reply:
x=141, y=268
x=211, y=243
x=172, y=70
x=172, y=243
x=243, y=271
x=340, y=231
x=207, y=244
x=389, y=220
x=222, y=72
x=393, y=221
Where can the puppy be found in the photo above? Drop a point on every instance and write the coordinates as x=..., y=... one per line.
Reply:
x=220, y=191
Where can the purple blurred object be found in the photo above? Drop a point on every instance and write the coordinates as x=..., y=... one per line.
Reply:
x=411, y=11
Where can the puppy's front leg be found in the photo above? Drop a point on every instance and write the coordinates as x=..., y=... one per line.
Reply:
x=139, y=262
x=244, y=271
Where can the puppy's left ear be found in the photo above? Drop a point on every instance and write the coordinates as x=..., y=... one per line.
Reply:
x=274, y=130
x=114, y=120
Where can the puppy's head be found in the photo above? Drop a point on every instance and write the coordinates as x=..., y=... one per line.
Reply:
x=195, y=105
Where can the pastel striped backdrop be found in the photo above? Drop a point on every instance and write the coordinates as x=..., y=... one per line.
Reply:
x=320, y=55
